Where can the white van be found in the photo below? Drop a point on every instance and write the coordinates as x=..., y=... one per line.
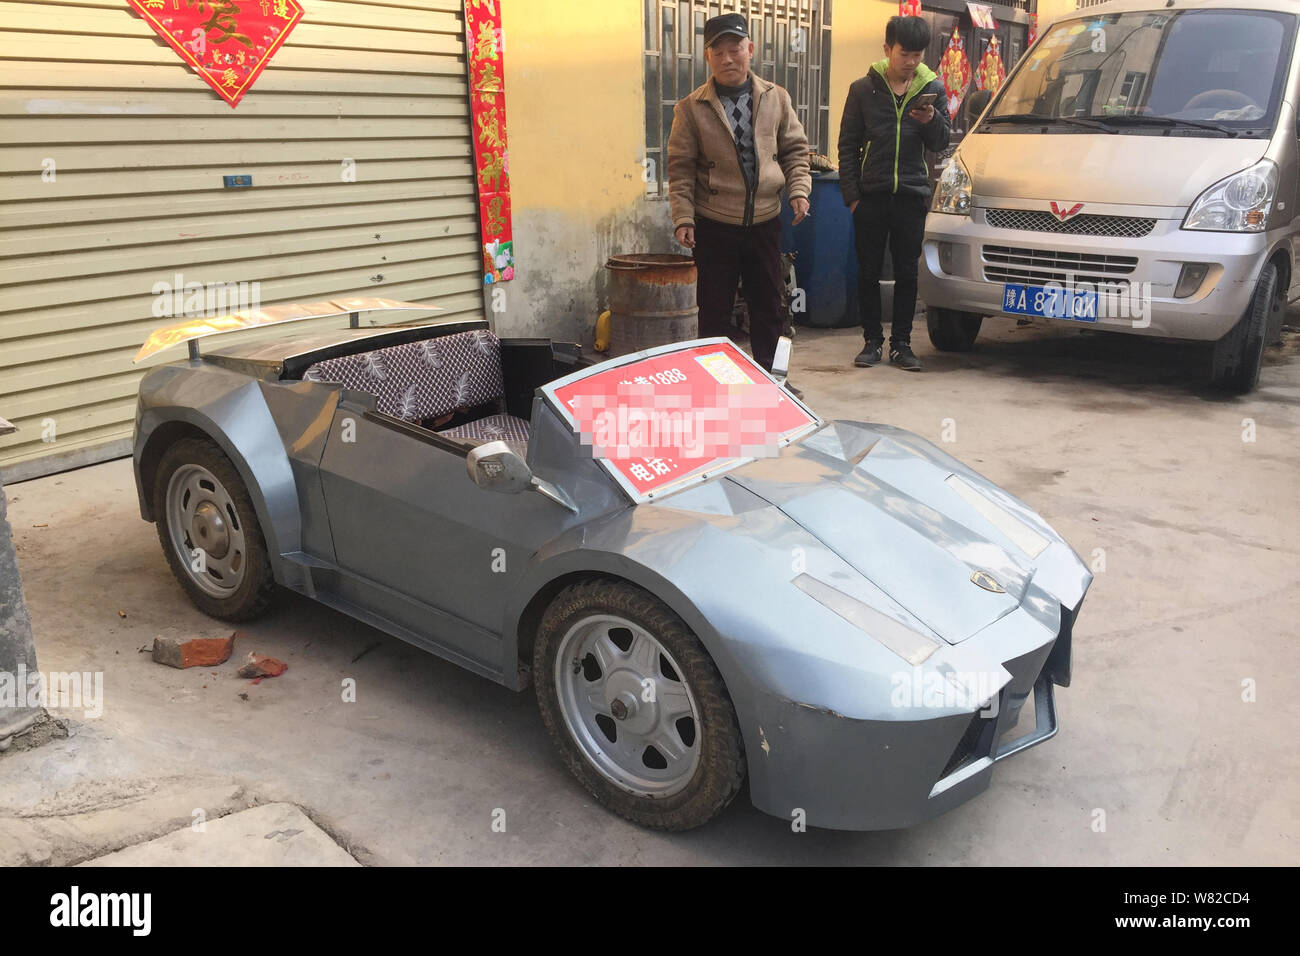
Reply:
x=1138, y=172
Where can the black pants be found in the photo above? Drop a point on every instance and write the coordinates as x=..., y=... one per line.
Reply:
x=724, y=254
x=897, y=219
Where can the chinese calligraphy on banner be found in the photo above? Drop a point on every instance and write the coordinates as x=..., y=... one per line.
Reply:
x=228, y=43
x=486, y=44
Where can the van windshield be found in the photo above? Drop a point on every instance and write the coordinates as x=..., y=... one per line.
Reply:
x=1190, y=72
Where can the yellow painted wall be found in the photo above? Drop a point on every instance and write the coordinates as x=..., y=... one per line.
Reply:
x=857, y=36
x=1049, y=10
x=576, y=122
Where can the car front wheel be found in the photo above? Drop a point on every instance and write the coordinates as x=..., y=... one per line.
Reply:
x=209, y=531
x=636, y=707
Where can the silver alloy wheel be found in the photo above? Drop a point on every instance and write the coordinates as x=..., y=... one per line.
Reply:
x=201, y=517
x=627, y=706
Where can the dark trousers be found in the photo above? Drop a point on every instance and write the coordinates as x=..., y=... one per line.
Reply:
x=725, y=254
x=899, y=220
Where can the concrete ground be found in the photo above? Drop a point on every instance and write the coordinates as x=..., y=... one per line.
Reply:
x=1193, y=531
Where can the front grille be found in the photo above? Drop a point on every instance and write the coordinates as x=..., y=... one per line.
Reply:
x=1038, y=266
x=1119, y=227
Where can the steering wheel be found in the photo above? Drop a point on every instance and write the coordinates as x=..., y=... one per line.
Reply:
x=1220, y=99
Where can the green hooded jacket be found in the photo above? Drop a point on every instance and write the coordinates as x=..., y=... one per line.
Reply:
x=881, y=148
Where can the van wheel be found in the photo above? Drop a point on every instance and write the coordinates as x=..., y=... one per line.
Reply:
x=1239, y=354
x=953, y=331
x=636, y=707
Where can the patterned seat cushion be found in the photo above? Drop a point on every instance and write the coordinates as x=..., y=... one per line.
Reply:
x=513, y=431
x=422, y=379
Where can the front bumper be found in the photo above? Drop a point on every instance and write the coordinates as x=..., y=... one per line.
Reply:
x=1147, y=269
x=850, y=774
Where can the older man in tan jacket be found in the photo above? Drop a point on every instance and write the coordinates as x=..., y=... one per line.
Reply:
x=736, y=143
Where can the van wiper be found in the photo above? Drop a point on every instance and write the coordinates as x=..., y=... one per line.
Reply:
x=1090, y=123
x=1021, y=118
x=1035, y=119
x=1134, y=119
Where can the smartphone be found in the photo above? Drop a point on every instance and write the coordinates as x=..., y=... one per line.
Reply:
x=924, y=100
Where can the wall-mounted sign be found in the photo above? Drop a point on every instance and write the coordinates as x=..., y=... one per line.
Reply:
x=487, y=90
x=227, y=42
x=242, y=181
x=981, y=14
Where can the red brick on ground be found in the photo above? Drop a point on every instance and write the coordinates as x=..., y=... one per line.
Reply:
x=196, y=652
x=259, y=666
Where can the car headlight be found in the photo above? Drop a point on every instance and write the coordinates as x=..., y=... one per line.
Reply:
x=1239, y=203
x=953, y=191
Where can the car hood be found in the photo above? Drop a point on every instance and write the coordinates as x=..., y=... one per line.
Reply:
x=1080, y=167
x=915, y=522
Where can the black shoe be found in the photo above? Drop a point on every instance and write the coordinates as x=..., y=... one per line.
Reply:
x=869, y=356
x=796, y=392
x=902, y=356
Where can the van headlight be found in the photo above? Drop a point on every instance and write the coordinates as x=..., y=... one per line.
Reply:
x=1239, y=203
x=952, y=193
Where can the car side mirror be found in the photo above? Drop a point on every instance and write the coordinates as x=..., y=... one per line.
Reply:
x=781, y=361
x=493, y=466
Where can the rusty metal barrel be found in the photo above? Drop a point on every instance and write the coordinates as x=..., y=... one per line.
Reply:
x=651, y=301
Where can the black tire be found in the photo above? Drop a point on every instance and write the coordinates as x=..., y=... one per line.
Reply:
x=256, y=587
x=953, y=331
x=720, y=772
x=1237, y=357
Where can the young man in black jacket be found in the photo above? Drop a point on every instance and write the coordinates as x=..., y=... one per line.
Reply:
x=885, y=181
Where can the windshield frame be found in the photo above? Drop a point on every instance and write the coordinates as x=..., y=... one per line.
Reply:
x=1261, y=128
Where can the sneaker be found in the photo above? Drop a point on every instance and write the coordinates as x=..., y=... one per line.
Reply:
x=869, y=356
x=902, y=356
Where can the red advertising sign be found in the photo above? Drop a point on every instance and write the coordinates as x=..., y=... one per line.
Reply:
x=487, y=47
x=227, y=42
x=680, y=413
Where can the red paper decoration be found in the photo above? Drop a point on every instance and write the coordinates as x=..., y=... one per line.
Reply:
x=909, y=8
x=990, y=73
x=486, y=43
x=954, y=67
x=227, y=42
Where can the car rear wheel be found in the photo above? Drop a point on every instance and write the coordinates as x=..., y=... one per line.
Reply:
x=953, y=331
x=1238, y=355
x=209, y=531
x=636, y=707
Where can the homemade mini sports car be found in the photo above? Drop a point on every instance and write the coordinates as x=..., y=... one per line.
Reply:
x=705, y=582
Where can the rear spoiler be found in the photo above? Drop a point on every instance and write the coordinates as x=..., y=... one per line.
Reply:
x=191, y=330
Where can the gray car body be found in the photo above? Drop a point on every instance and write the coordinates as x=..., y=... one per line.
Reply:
x=400, y=537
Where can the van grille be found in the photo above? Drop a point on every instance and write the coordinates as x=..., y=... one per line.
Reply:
x=1037, y=266
x=1120, y=227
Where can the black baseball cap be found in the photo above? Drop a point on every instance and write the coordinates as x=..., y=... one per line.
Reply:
x=716, y=27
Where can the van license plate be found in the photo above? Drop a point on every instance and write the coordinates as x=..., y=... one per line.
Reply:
x=1050, y=303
